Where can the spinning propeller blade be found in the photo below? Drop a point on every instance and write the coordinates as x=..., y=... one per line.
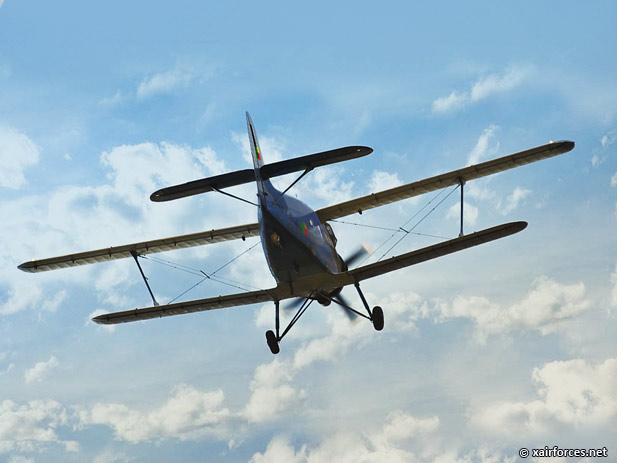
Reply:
x=351, y=315
x=360, y=252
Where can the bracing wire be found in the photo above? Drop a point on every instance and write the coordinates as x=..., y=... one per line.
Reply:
x=407, y=232
x=402, y=228
x=205, y=276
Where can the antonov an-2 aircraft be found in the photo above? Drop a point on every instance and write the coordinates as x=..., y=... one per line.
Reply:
x=298, y=243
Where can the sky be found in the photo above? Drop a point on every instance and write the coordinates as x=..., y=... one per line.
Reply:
x=505, y=346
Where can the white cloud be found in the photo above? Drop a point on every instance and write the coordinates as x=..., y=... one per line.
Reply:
x=110, y=456
x=547, y=308
x=401, y=426
x=486, y=147
x=614, y=180
x=189, y=414
x=51, y=304
x=383, y=180
x=608, y=139
x=450, y=103
x=75, y=218
x=17, y=152
x=21, y=294
x=481, y=90
x=20, y=458
x=279, y=450
x=271, y=391
x=573, y=392
x=495, y=83
x=470, y=213
x=385, y=446
x=40, y=371
x=614, y=289
x=27, y=427
x=513, y=200
x=163, y=82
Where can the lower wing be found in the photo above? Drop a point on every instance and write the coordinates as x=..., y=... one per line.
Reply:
x=323, y=282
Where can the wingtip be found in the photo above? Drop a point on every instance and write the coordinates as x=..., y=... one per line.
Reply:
x=101, y=320
x=27, y=267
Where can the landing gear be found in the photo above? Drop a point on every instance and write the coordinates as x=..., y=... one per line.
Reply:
x=273, y=343
x=273, y=338
x=377, y=318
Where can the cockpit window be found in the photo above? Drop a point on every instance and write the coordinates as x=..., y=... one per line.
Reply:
x=330, y=234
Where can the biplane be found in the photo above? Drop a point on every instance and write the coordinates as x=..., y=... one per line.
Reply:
x=298, y=242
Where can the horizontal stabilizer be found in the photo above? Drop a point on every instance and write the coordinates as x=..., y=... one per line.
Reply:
x=275, y=169
x=145, y=247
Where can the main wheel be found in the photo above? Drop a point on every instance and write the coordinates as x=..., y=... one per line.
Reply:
x=377, y=318
x=273, y=343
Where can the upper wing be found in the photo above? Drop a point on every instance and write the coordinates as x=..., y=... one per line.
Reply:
x=323, y=282
x=145, y=247
x=445, y=180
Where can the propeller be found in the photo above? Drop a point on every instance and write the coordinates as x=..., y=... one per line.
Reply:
x=360, y=252
x=351, y=315
x=354, y=257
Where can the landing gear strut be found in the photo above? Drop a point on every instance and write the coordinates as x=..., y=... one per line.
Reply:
x=273, y=338
x=376, y=315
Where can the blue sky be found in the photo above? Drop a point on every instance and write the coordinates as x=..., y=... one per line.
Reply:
x=496, y=348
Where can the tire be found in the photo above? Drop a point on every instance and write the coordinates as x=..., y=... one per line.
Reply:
x=272, y=342
x=377, y=318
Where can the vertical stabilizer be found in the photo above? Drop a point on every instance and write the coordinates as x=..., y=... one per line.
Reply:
x=257, y=158
x=255, y=150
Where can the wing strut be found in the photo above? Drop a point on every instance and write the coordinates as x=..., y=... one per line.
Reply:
x=461, y=182
x=134, y=254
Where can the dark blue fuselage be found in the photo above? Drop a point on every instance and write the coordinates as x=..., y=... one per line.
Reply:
x=294, y=240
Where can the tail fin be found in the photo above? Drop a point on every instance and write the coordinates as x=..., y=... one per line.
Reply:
x=255, y=150
x=257, y=158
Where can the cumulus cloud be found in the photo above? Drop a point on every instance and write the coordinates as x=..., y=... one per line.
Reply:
x=383, y=180
x=454, y=101
x=482, y=89
x=17, y=152
x=271, y=391
x=74, y=218
x=514, y=199
x=163, y=82
x=189, y=414
x=486, y=147
x=28, y=427
x=387, y=445
x=470, y=214
x=546, y=308
x=614, y=290
x=572, y=392
x=20, y=295
x=41, y=370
